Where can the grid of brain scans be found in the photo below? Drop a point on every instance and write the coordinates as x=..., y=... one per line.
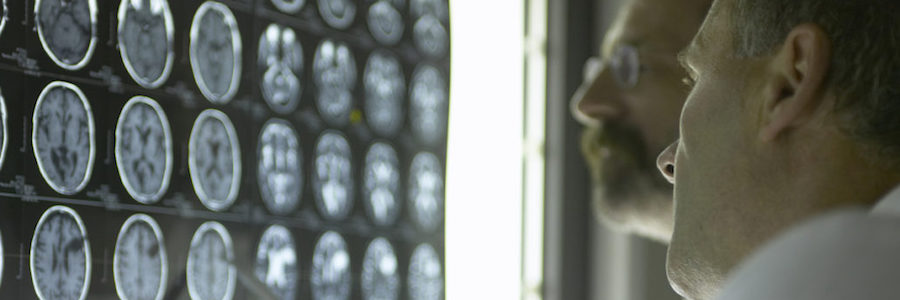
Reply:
x=223, y=149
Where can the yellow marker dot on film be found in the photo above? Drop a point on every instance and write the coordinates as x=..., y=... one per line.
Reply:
x=355, y=116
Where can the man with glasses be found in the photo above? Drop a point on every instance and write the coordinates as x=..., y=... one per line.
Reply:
x=630, y=103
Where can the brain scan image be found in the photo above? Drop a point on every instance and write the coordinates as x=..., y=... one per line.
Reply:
x=331, y=268
x=140, y=267
x=425, y=281
x=288, y=6
x=428, y=105
x=144, y=149
x=426, y=191
x=437, y=8
x=63, y=137
x=60, y=255
x=214, y=160
x=385, y=88
x=337, y=13
x=4, y=136
x=277, y=262
x=430, y=36
x=381, y=184
x=146, y=37
x=380, y=279
x=279, y=167
x=333, y=176
x=385, y=22
x=334, y=69
x=215, y=52
x=67, y=30
x=211, y=274
x=281, y=63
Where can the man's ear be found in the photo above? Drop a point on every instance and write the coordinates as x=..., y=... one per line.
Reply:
x=796, y=80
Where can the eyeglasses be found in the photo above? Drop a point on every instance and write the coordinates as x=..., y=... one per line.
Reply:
x=625, y=64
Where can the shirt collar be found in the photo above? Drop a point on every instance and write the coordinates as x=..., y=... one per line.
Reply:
x=889, y=204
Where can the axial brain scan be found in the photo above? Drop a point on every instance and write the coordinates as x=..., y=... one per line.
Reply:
x=430, y=36
x=60, y=255
x=338, y=13
x=381, y=184
x=277, y=262
x=331, y=268
x=215, y=52
x=385, y=22
x=140, y=267
x=146, y=37
x=63, y=137
x=425, y=281
x=380, y=279
x=426, y=190
x=214, y=160
x=281, y=59
x=384, y=85
x=67, y=30
x=332, y=176
x=144, y=149
x=210, y=264
x=279, y=167
x=288, y=6
x=334, y=69
x=428, y=111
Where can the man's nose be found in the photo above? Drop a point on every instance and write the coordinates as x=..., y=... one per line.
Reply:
x=666, y=162
x=598, y=98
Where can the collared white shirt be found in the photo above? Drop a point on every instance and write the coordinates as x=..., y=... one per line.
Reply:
x=848, y=254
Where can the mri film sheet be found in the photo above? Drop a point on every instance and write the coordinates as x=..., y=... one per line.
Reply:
x=140, y=266
x=67, y=30
x=60, y=255
x=63, y=137
x=221, y=149
x=146, y=34
x=143, y=149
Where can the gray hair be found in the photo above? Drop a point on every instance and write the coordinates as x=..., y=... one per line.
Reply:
x=865, y=59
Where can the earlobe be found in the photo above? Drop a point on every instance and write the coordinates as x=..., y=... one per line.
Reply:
x=796, y=84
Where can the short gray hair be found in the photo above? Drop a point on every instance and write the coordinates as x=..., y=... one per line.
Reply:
x=865, y=59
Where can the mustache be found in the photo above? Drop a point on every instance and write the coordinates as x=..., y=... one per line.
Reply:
x=621, y=139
